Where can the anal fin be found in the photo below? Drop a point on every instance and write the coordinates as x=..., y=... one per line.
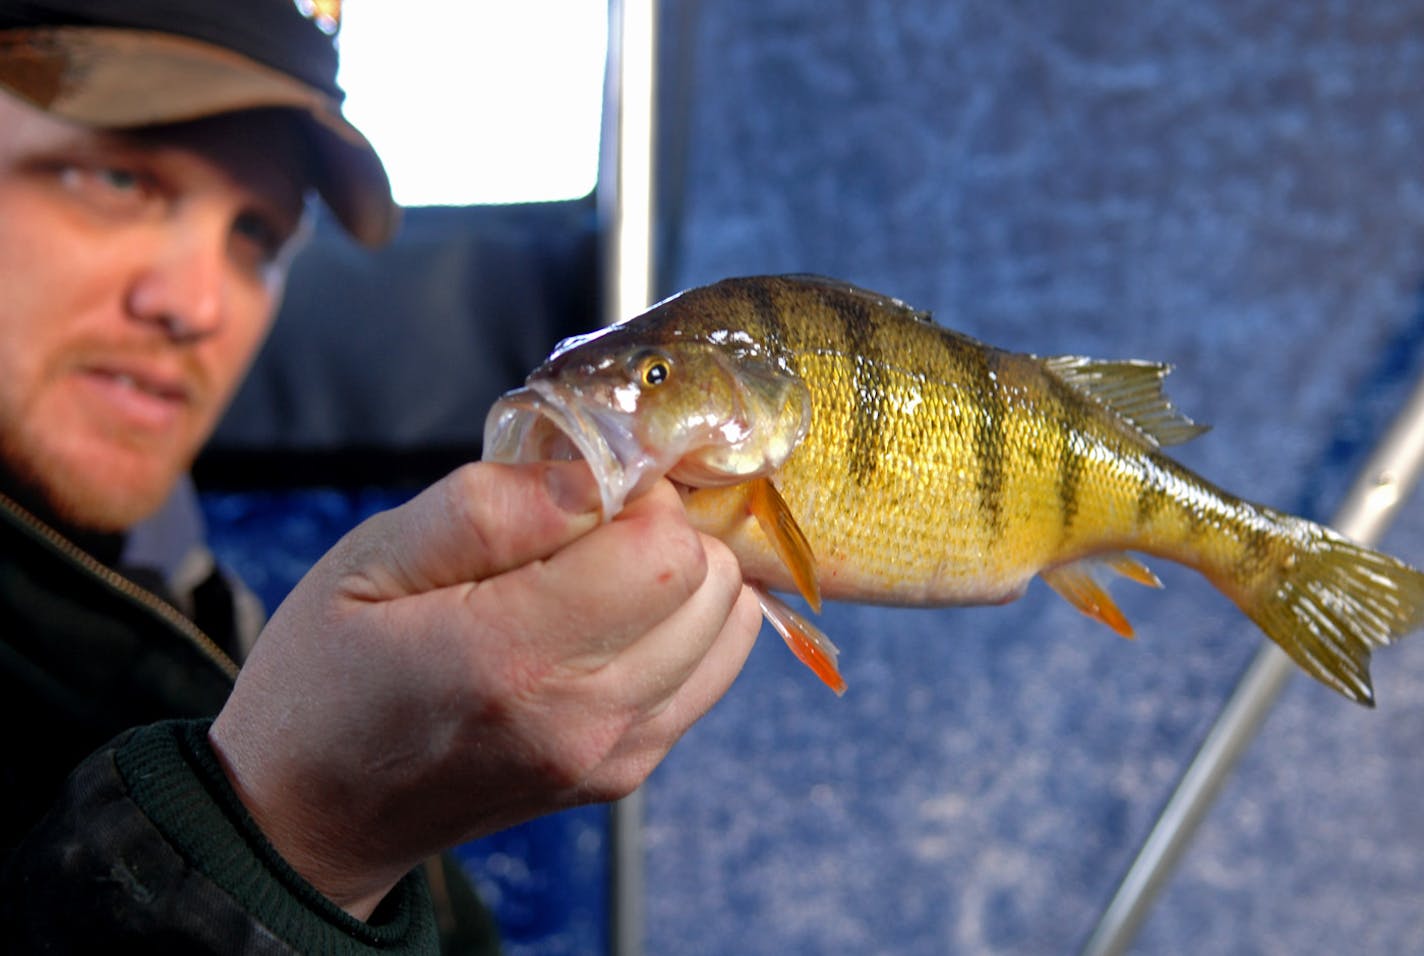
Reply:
x=1132, y=569
x=811, y=647
x=1078, y=583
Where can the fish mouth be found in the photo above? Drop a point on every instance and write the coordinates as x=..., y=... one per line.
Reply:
x=537, y=423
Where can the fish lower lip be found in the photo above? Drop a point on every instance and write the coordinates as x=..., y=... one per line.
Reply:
x=523, y=427
x=529, y=425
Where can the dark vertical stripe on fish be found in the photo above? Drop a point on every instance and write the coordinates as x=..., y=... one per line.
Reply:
x=765, y=307
x=1258, y=540
x=989, y=438
x=1072, y=456
x=1071, y=461
x=1164, y=489
x=868, y=386
x=1151, y=498
x=1197, y=521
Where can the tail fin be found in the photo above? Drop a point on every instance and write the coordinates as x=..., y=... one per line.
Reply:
x=1334, y=602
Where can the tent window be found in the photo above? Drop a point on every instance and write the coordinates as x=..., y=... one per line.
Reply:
x=477, y=103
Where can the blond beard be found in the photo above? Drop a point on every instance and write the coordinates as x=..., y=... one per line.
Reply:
x=77, y=497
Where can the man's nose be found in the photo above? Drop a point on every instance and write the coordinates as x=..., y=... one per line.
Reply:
x=179, y=287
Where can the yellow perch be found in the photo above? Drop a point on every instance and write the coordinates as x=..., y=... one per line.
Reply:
x=845, y=446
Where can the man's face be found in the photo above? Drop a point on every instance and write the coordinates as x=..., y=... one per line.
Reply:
x=138, y=276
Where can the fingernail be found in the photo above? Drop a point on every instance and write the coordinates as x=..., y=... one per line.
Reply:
x=572, y=488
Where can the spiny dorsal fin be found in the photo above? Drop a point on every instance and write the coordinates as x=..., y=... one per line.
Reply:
x=874, y=299
x=1133, y=390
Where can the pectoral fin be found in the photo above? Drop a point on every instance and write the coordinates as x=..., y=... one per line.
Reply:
x=811, y=647
x=786, y=537
x=1078, y=584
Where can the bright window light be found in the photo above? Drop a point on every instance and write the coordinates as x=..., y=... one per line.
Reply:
x=470, y=101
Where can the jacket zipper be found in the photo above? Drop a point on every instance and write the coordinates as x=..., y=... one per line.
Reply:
x=117, y=582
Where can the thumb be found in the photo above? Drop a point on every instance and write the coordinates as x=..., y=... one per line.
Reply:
x=479, y=521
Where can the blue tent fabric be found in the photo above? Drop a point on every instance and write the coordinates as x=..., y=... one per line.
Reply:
x=1235, y=188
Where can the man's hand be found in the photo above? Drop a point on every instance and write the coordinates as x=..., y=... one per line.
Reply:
x=487, y=653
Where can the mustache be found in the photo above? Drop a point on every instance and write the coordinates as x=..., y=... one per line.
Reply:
x=163, y=369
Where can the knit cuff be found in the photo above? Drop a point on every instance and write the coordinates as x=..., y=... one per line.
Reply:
x=173, y=776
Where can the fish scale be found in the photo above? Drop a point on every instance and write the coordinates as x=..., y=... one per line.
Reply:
x=946, y=499
x=845, y=446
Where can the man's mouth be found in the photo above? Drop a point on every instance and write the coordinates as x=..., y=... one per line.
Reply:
x=158, y=388
x=143, y=399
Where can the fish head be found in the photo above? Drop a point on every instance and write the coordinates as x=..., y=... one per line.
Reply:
x=647, y=398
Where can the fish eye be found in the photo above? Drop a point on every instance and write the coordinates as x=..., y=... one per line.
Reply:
x=654, y=369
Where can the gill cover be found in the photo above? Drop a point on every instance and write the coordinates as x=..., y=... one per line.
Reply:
x=738, y=414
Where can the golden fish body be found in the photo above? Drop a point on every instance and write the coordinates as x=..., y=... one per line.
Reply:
x=917, y=466
x=943, y=471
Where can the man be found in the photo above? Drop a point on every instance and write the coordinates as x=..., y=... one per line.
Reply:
x=485, y=654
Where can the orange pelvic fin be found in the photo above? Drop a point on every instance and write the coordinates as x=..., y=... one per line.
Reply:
x=1078, y=584
x=811, y=647
x=780, y=527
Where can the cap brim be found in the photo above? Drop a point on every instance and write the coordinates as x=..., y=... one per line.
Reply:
x=123, y=79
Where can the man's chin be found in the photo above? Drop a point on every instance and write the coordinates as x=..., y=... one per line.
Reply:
x=109, y=497
x=110, y=509
x=93, y=482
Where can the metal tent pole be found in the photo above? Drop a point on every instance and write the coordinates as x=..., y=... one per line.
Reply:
x=1379, y=488
x=626, y=192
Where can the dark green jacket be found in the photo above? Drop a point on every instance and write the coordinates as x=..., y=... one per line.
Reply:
x=119, y=831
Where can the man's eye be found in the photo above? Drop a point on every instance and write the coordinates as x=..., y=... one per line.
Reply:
x=263, y=238
x=120, y=180
x=109, y=187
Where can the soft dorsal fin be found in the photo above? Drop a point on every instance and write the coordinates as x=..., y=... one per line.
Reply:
x=1133, y=390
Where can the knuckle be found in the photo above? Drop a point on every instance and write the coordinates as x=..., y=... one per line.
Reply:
x=566, y=726
x=563, y=771
x=721, y=562
x=683, y=556
x=573, y=760
x=474, y=499
x=616, y=788
x=624, y=776
x=471, y=480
